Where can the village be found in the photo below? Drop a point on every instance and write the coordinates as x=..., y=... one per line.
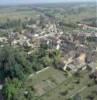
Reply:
x=48, y=53
x=74, y=46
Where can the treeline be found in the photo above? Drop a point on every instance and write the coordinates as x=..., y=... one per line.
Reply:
x=16, y=23
x=70, y=25
x=91, y=21
x=92, y=39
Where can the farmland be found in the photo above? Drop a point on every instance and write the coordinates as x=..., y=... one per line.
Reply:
x=60, y=12
x=14, y=13
x=53, y=84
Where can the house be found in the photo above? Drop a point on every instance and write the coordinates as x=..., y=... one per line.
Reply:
x=84, y=26
x=3, y=39
x=92, y=66
x=66, y=46
x=81, y=58
x=29, y=35
x=91, y=57
x=95, y=74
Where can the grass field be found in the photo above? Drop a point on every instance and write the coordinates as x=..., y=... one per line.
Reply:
x=13, y=14
x=45, y=81
x=53, y=84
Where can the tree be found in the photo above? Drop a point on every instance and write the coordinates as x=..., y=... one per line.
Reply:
x=64, y=93
x=77, y=97
x=13, y=63
x=11, y=87
x=40, y=58
x=56, y=56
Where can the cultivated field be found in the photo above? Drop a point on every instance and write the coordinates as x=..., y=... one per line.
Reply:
x=53, y=84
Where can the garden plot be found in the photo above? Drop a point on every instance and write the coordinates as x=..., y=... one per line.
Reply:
x=72, y=86
x=46, y=80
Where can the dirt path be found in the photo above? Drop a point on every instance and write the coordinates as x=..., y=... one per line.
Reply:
x=31, y=75
x=80, y=90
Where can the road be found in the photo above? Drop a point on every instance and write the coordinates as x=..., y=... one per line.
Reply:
x=47, y=35
x=31, y=75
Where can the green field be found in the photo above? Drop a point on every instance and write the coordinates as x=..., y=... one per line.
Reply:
x=46, y=80
x=65, y=12
x=72, y=88
x=16, y=13
x=53, y=84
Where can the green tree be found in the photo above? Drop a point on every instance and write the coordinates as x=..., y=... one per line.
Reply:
x=11, y=88
x=14, y=63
